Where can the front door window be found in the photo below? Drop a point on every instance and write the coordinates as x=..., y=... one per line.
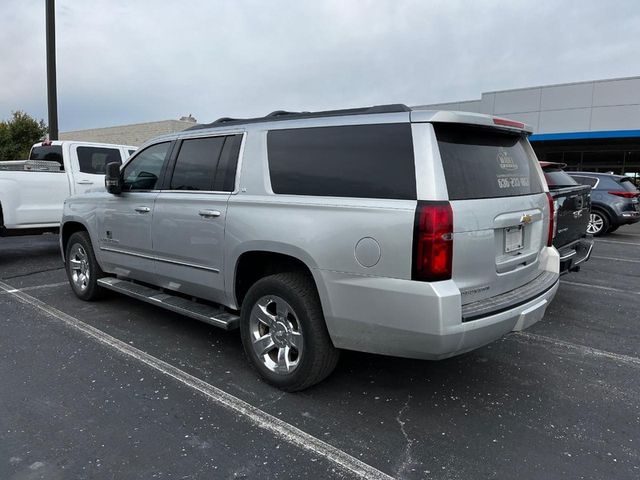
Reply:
x=143, y=171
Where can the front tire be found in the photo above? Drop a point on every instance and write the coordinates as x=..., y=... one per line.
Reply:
x=598, y=223
x=82, y=268
x=284, y=334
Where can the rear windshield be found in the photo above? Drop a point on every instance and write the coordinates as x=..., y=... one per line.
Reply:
x=628, y=185
x=485, y=163
x=558, y=178
x=50, y=153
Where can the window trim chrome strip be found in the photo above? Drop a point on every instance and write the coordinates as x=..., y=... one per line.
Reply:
x=160, y=259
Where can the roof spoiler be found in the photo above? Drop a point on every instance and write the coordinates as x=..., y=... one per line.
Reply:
x=470, y=118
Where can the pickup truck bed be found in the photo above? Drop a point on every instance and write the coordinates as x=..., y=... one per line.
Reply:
x=32, y=191
x=573, y=206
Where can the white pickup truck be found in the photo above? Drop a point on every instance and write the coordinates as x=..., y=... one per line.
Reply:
x=32, y=192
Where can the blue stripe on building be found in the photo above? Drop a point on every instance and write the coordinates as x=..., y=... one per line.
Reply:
x=540, y=137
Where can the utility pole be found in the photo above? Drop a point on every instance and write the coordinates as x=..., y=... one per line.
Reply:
x=52, y=95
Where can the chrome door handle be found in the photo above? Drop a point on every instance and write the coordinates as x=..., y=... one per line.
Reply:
x=209, y=213
x=85, y=182
x=142, y=209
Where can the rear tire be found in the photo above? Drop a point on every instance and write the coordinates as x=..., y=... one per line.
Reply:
x=598, y=223
x=82, y=267
x=284, y=333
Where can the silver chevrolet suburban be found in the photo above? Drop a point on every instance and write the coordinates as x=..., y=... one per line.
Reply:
x=402, y=232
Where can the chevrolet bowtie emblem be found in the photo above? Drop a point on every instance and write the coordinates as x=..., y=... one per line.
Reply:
x=526, y=218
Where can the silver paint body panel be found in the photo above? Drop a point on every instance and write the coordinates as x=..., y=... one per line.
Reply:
x=375, y=309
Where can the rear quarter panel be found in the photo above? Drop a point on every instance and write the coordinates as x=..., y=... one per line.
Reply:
x=323, y=232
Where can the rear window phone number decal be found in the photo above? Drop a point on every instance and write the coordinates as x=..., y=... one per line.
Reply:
x=506, y=181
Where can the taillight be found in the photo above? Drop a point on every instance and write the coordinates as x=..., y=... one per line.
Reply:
x=625, y=194
x=552, y=220
x=432, y=242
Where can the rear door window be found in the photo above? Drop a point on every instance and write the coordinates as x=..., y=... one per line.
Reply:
x=94, y=160
x=366, y=161
x=485, y=163
x=207, y=164
x=228, y=165
x=197, y=163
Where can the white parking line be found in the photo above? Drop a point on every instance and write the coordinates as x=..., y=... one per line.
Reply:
x=599, y=287
x=257, y=417
x=616, y=241
x=626, y=234
x=616, y=259
x=582, y=349
x=35, y=287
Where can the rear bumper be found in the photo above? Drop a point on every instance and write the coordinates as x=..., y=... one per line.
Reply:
x=575, y=253
x=421, y=320
x=627, y=217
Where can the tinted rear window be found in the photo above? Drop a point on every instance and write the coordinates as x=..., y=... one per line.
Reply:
x=196, y=164
x=558, y=178
x=485, y=163
x=50, y=153
x=207, y=164
x=367, y=161
x=226, y=174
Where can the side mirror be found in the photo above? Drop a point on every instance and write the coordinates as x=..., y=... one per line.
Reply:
x=113, y=179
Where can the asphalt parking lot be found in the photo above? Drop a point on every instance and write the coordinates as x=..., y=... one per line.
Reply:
x=122, y=389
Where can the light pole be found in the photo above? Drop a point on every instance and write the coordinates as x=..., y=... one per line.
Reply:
x=52, y=96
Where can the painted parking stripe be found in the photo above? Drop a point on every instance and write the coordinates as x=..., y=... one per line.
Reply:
x=599, y=287
x=618, y=242
x=616, y=259
x=582, y=349
x=34, y=287
x=255, y=416
x=626, y=234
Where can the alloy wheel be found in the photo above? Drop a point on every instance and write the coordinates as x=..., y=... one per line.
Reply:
x=276, y=335
x=79, y=267
x=596, y=222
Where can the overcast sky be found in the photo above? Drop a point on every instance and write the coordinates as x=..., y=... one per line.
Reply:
x=129, y=61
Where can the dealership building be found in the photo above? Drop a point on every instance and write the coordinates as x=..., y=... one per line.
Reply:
x=590, y=126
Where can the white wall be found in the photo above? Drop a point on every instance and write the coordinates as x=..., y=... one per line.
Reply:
x=574, y=107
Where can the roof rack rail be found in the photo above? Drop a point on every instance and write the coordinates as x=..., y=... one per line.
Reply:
x=279, y=115
x=225, y=120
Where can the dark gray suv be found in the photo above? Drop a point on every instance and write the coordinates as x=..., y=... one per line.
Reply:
x=614, y=201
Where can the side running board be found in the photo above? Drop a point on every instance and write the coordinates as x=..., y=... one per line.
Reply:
x=205, y=313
